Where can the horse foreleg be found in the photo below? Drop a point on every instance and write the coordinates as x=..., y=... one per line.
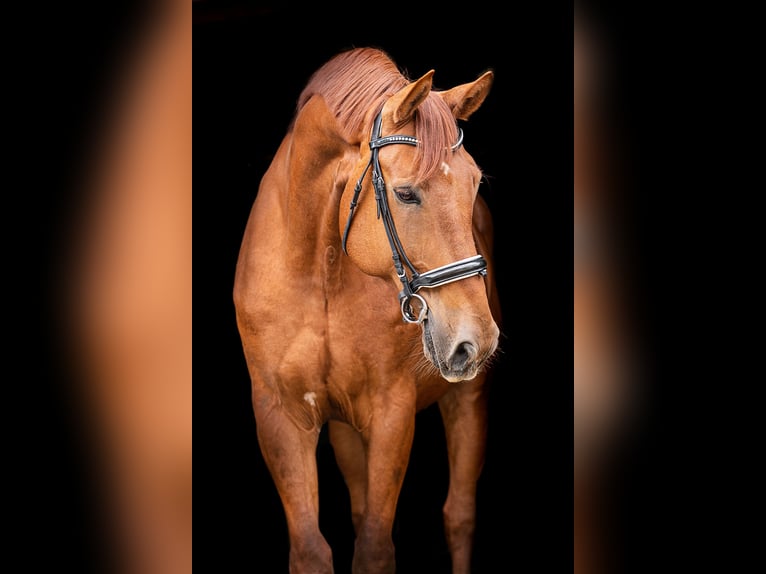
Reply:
x=389, y=441
x=290, y=453
x=464, y=413
x=352, y=461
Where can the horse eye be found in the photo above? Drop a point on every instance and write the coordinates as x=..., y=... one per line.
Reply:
x=406, y=195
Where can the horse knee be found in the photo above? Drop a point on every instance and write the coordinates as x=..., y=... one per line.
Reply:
x=313, y=557
x=459, y=522
x=374, y=556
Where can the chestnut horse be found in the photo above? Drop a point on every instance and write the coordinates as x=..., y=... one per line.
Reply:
x=370, y=202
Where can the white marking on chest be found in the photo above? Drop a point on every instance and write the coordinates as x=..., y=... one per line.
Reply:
x=310, y=398
x=445, y=168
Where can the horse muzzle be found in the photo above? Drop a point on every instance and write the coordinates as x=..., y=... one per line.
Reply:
x=459, y=357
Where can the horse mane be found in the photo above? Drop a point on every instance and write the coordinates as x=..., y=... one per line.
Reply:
x=360, y=79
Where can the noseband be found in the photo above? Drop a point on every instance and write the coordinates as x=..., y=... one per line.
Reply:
x=468, y=267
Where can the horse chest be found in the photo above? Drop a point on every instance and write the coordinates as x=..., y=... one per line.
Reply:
x=339, y=367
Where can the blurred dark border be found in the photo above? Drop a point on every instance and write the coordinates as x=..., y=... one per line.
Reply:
x=64, y=63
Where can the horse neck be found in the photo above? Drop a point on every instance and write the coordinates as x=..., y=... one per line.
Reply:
x=311, y=201
x=306, y=181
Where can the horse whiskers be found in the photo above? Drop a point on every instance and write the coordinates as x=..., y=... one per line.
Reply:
x=422, y=367
x=492, y=359
x=419, y=363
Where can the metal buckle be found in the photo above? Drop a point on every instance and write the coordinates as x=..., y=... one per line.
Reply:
x=409, y=313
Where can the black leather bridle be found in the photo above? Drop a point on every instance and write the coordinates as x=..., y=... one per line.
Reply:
x=468, y=267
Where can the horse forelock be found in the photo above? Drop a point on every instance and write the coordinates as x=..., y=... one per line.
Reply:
x=358, y=81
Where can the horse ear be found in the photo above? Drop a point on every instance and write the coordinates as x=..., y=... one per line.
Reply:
x=465, y=99
x=404, y=102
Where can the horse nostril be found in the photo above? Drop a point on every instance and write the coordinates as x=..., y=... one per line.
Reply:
x=464, y=352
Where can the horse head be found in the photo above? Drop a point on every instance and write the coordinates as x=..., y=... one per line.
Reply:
x=425, y=190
